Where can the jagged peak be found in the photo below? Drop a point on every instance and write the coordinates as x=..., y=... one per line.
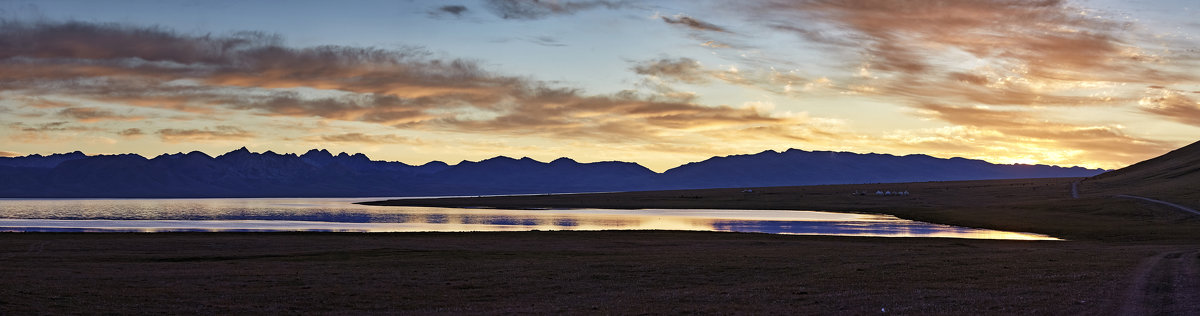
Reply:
x=236, y=153
x=318, y=155
x=125, y=155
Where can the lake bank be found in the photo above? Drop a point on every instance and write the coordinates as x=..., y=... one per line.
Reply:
x=625, y=272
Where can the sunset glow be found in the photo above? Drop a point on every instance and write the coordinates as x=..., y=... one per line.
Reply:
x=1090, y=83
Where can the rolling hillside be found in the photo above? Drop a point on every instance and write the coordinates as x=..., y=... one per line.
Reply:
x=1172, y=177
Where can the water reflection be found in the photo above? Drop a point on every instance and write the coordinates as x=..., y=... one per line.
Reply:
x=338, y=215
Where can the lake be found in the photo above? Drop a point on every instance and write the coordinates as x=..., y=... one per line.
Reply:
x=341, y=215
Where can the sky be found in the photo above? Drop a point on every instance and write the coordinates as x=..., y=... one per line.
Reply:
x=1100, y=84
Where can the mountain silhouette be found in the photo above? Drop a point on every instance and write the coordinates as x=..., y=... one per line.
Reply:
x=320, y=173
x=1174, y=176
x=798, y=167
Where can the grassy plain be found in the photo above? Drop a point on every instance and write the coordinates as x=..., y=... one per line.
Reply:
x=631, y=272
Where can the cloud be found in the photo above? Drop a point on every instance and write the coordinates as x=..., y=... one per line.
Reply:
x=252, y=73
x=664, y=70
x=365, y=138
x=693, y=23
x=44, y=51
x=1036, y=40
x=715, y=44
x=92, y=114
x=373, y=108
x=46, y=132
x=546, y=41
x=9, y=154
x=48, y=127
x=1014, y=129
x=681, y=69
x=989, y=68
x=538, y=9
x=1172, y=104
x=217, y=133
x=564, y=113
x=43, y=103
x=456, y=10
x=131, y=132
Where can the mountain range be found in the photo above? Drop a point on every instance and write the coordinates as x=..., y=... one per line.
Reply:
x=319, y=173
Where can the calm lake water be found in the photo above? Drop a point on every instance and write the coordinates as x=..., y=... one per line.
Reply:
x=340, y=215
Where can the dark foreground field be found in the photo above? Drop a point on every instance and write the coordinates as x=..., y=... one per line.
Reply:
x=630, y=272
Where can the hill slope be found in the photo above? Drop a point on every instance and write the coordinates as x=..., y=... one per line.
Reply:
x=1172, y=177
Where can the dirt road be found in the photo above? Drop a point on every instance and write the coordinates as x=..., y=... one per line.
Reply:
x=1177, y=206
x=1166, y=284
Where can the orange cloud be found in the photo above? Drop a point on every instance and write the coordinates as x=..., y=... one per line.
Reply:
x=91, y=114
x=687, y=70
x=48, y=127
x=1172, y=104
x=366, y=139
x=131, y=132
x=1012, y=129
x=1012, y=55
x=1045, y=42
x=217, y=133
x=1049, y=37
x=45, y=132
x=43, y=103
x=253, y=73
